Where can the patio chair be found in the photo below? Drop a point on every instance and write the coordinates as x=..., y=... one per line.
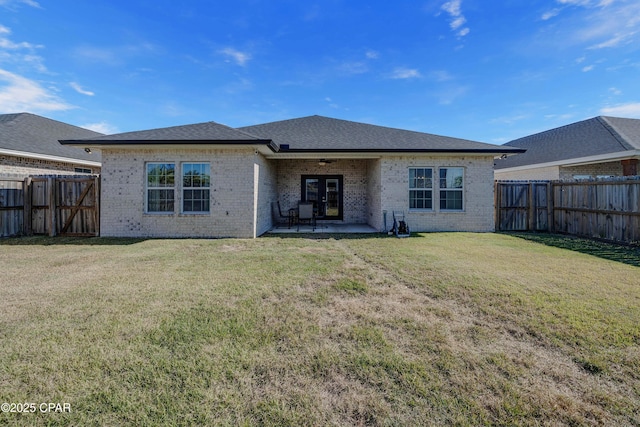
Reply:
x=305, y=213
x=278, y=217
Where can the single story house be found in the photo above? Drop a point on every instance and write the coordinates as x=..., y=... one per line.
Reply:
x=211, y=180
x=29, y=146
x=595, y=148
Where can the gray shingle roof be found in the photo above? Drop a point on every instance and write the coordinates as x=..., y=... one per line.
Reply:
x=323, y=134
x=596, y=136
x=208, y=132
x=35, y=134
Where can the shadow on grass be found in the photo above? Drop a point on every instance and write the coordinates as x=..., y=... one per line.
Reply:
x=620, y=253
x=77, y=241
x=335, y=236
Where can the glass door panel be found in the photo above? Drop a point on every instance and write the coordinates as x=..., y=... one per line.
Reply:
x=332, y=187
x=325, y=191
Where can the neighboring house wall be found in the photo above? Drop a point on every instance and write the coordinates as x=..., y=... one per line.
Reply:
x=594, y=170
x=22, y=167
x=477, y=213
x=232, y=195
x=354, y=174
x=561, y=172
x=533, y=174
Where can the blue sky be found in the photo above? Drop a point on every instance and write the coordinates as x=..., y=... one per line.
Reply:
x=489, y=71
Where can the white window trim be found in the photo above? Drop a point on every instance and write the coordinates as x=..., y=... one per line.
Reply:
x=432, y=189
x=461, y=190
x=182, y=188
x=147, y=188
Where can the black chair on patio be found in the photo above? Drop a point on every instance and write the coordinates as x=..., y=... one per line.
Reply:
x=279, y=218
x=306, y=213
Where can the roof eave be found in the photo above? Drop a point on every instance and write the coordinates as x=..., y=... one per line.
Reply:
x=602, y=158
x=408, y=150
x=136, y=143
x=49, y=157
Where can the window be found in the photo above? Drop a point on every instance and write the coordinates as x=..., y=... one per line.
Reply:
x=196, y=180
x=160, y=187
x=420, y=188
x=451, y=186
x=82, y=170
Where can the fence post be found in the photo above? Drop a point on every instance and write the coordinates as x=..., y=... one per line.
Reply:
x=51, y=194
x=496, y=205
x=96, y=192
x=27, y=201
x=550, y=215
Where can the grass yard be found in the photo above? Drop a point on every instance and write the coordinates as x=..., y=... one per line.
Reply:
x=437, y=329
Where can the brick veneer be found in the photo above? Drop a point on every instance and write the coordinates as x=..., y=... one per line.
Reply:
x=22, y=167
x=245, y=184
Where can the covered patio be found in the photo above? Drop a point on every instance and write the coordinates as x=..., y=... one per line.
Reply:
x=323, y=228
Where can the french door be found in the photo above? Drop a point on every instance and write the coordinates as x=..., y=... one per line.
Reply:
x=325, y=191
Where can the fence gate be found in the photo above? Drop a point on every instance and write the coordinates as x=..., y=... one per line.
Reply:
x=522, y=206
x=67, y=206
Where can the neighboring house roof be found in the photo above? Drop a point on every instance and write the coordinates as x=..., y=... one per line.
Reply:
x=29, y=135
x=324, y=134
x=207, y=133
x=313, y=134
x=598, y=139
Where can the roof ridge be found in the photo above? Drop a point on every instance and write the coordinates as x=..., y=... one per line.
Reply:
x=616, y=133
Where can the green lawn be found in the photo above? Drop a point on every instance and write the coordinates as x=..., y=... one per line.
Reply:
x=437, y=329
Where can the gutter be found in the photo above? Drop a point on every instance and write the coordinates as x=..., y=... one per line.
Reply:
x=48, y=157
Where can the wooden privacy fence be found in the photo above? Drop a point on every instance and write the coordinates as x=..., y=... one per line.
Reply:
x=68, y=206
x=605, y=209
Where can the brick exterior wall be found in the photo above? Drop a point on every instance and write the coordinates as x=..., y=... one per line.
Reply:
x=244, y=185
x=477, y=194
x=232, y=195
x=267, y=193
x=374, y=194
x=14, y=167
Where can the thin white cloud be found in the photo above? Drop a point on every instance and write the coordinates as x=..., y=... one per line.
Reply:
x=102, y=127
x=631, y=110
x=13, y=3
x=587, y=68
x=18, y=93
x=6, y=43
x=615, y=91
x=372, y=54
x=550, y=14
x=454, y=9
x=450, y=94
x=441, y=76
x=240, y=58
x=80, y=90
x=405, y=73
x=353, y=68
x=603, y=23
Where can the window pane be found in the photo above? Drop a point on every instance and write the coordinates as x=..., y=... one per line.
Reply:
x=420, y=177
x=196, y=175
x=451, y=177
x=420, y=199
x=160, y=179
x=160, y=201
x=451, y=200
